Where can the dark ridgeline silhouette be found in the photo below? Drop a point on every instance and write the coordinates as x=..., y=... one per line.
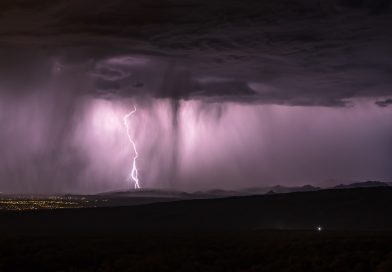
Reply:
x=349, y=209
x=347, y=230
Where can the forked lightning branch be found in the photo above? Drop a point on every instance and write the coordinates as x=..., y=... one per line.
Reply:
x=133, y=175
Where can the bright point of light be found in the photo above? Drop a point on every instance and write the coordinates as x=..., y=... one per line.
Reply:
x=133, y=176
x=319, y=228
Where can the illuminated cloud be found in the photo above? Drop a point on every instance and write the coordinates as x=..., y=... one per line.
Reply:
x=304, y=52
x=384, y=103
x=229, y=93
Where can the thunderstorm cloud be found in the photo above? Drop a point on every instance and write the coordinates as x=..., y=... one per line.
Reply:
x=229, y=93
x=294, y=52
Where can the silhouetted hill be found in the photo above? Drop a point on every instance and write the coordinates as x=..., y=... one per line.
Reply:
x=366, y=184
x=213, y=193
x=350, y=209
x=218, y=193
x=279, y=189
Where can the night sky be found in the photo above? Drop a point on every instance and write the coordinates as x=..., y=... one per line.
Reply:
x=229, y=94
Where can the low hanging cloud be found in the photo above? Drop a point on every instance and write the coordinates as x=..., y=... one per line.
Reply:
x=384, y=103
x=70, y=70
x=302, y=52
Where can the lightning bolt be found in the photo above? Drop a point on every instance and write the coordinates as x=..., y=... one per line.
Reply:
x=133, y=175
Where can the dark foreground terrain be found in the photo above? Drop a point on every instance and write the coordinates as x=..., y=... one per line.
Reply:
x=347, y=209
x=274, y=232
x=241, y=251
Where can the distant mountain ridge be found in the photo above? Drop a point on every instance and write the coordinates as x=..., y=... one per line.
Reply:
x=219, y=193
x=350, y=209
x=279, y=189
x=366, y=184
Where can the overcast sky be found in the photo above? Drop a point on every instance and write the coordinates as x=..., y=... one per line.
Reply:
x=230, y=94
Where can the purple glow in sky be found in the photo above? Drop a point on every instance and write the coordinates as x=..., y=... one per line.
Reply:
x=213, y=145
x=229, y=94
x=133, y=173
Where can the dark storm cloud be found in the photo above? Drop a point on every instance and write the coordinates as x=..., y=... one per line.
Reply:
x=384, y=103
x=301, y=52
x=57, y=57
